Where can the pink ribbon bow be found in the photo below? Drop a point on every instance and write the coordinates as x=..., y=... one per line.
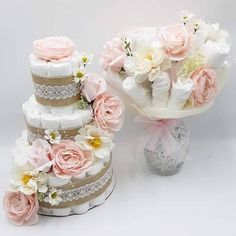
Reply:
x=158, y=129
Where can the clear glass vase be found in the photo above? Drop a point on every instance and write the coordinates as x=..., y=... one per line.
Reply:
x=160, y=159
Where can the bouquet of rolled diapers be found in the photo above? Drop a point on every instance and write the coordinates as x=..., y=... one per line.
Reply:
x=169, y=72
x=62, y=163
x=165, y=74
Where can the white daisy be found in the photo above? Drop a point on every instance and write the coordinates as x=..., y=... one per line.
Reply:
x=27, y=180
x=96, y=140
x=53, y=136
x=54, y=196
x=79, y=75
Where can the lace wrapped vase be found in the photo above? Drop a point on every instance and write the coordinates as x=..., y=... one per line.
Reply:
x=166, y=151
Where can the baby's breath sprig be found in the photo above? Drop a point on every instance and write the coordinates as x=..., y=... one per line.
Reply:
x=83, y=103
x=40, y=196
x=191, y=63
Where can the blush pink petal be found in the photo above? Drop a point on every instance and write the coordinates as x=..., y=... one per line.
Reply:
x=205, y=86
x=70, y=160
x=53, y=48
x=176, y=40
x=113, y=56
x=21, y=209
x=108, y=112
x=93, y=86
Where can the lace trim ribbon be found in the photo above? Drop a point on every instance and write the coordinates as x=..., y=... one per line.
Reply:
x=56, y=91
x=83, y=190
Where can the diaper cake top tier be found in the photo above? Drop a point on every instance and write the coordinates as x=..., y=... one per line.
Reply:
x=171, y=71
x=62, y=164
x=53, y=63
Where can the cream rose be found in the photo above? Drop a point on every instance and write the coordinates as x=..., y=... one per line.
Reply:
x=108, y=112
x=176, y=40
x=53, y=48
x=21, y=209
x=70, y=160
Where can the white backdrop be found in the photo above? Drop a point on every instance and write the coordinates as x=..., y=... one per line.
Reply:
x=89, y=23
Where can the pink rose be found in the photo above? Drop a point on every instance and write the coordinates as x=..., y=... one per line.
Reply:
x=70, y=160
x=108, y=112
x=113, y=56
x=205, y=85
x=40, y=154
x=53, y=48
x=21, y=209
x=93, y=86
x=176, y=40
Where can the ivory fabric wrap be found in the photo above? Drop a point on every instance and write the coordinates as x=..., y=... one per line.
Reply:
x=55, y=91
x=80, y=183
x=34, y=133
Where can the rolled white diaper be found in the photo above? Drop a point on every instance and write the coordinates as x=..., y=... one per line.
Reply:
x=33, y=117
x=215, y=53
x=60, y=68
x=70, y=121
x=137, y=92
x=180, y=93
x=160, y=90
x=61, y=110
x=50, y=122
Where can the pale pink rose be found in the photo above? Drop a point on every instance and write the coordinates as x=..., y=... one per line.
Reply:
x=40, y=154
x=113, y=56
x=176, y=40
x=21, y=209
x=70, y=160
x=205, y=86
x=53, y=48
x=93, y=86
x=108, y=112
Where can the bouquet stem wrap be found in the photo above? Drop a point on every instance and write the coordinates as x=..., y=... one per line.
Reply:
x=160, y=129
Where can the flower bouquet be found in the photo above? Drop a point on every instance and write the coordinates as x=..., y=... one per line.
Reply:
x=165, y=74
x=62, y=163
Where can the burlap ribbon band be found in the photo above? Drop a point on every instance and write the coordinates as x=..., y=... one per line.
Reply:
x=80, y=183
x=34, y=133
x=55, y=91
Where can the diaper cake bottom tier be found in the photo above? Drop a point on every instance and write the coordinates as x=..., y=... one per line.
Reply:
x=77, y=197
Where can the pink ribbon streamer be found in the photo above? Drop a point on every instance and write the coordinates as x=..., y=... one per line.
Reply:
x=155, y=129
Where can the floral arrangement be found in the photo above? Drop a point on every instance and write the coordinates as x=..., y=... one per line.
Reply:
x=35, y=163
x=173, y=67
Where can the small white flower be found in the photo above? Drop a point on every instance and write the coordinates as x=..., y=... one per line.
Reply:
x=198, y=23
x=186, y=16
x=79, y=75
x=96, y=140
x=53, y=136
x=54, y=196
x=85, y=58
x=26, y=179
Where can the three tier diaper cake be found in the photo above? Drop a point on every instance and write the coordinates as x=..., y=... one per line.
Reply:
x=62, y=163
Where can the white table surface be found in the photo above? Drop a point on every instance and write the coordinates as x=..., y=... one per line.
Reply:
x=200, y=200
